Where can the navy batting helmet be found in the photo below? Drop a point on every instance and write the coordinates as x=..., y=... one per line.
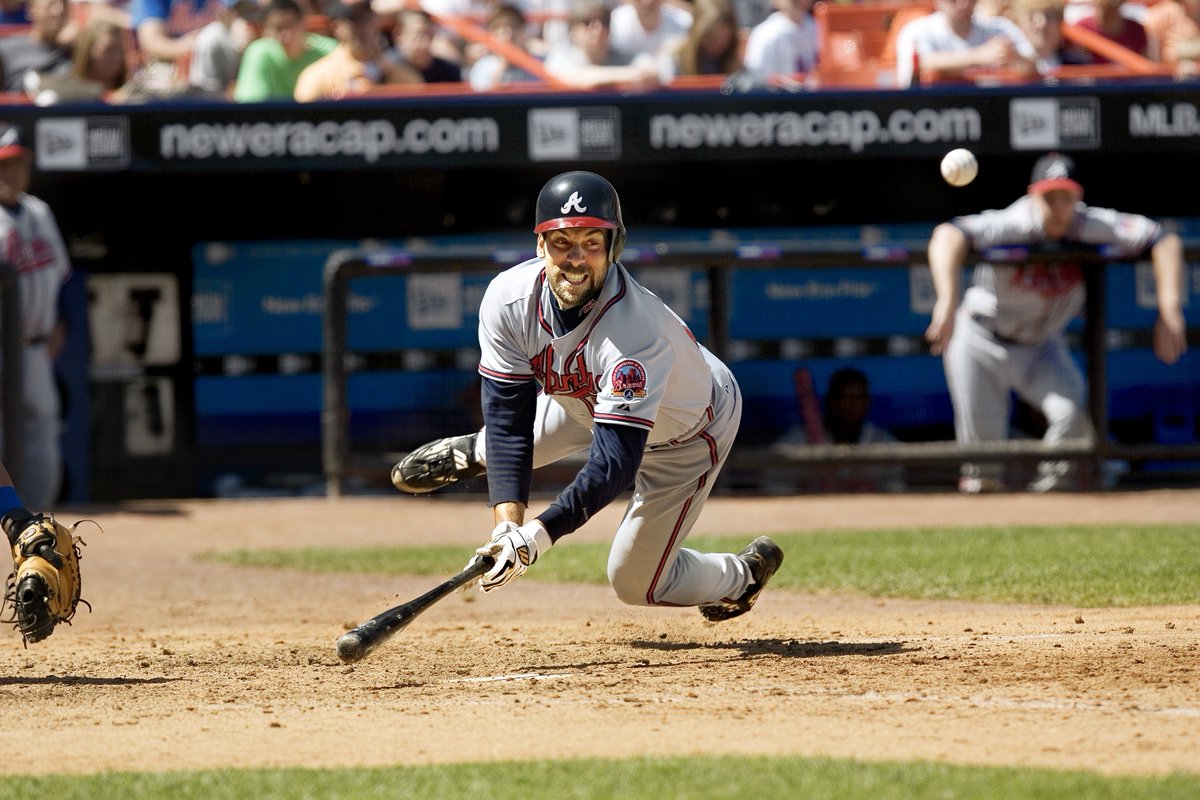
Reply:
x=581, y=200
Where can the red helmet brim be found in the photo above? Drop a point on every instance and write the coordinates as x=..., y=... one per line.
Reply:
x=574, y=222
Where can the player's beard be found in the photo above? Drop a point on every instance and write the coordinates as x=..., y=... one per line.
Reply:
x=572, y=295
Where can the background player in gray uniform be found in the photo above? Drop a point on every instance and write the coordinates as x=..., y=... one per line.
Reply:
x=30, y=243
x=1007, y=333
x=577, y=356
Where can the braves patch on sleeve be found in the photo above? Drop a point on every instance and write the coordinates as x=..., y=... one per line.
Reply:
x=628, y=380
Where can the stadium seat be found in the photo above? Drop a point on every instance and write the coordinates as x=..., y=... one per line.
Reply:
x=858, y=40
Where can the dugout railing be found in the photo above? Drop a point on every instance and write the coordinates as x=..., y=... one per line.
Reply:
x=716, y=258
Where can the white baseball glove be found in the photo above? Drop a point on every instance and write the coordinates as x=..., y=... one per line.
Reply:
x=514, y=548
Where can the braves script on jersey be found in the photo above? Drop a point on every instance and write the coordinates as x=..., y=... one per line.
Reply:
x=31, y=244
x=1033, y=302
x=631, y=362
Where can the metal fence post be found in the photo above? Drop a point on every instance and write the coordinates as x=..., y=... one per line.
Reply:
x=335, y=410
x=1096, y=349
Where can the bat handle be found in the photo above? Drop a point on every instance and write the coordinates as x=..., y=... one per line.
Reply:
x=479, y=567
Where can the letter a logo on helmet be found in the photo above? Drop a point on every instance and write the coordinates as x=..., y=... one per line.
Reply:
x=575, y=202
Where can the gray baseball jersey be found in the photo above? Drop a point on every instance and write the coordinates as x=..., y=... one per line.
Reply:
x=632, y=361
x=31, y=244
x=1008, y=334
x=1033, y=302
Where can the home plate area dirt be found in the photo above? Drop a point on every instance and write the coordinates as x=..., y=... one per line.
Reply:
x=185, y=663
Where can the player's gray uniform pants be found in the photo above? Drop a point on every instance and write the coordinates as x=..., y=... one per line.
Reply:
x=647, y=564
x=39, y=475
x=981, y=371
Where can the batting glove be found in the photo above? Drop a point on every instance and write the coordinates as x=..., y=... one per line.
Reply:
x=514, y=549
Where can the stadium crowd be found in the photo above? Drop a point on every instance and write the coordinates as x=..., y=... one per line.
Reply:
x=131, y=51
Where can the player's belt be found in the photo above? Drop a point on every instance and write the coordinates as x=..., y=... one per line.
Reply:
x=988, y=325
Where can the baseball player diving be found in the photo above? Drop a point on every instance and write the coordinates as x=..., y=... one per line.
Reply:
x=577, y=357
x=1007, y=332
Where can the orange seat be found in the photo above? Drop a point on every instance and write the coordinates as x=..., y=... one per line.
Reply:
x=858, y=39
x=843, y=50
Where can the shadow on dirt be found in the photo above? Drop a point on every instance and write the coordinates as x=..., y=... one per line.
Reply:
x=791, y=648
x=80, y=680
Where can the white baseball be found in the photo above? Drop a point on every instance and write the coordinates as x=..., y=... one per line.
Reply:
x=959, y=167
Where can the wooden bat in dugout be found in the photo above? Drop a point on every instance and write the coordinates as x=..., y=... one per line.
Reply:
x=355, y=644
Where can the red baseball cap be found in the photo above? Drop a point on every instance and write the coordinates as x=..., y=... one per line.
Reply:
x=1054, y=171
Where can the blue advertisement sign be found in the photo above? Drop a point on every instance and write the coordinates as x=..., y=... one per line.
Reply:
x=268, y=298
x=823, y=303
x=258, y=315
x=262, y=304
x=1133, y=299
x=258, y=297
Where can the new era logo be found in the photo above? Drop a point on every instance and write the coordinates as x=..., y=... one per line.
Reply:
x=79, y=143
x=574, y=133
x=1046, y=123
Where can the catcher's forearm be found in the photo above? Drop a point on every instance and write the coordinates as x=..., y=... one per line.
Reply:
x=9, y=501
x=16, y=518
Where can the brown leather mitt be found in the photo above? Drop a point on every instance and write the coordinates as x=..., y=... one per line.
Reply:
x=43, y=589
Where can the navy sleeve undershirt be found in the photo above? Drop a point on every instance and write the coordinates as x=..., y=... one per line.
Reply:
x=613, y=461
x=508, y=413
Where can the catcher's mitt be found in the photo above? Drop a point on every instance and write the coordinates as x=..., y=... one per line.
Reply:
x=43, y=588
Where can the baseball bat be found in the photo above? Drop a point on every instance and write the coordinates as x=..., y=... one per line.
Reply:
x=355, y=644
x=810, y=406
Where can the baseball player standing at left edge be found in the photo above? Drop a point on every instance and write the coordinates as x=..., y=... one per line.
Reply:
x=30, y=243
x=577, y=356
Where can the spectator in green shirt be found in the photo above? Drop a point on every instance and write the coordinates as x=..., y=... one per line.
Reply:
x=271, y=64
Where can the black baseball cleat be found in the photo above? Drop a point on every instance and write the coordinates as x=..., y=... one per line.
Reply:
x=432, y=466
x=763, y=557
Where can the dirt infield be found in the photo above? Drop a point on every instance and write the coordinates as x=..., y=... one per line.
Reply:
x=190, y=664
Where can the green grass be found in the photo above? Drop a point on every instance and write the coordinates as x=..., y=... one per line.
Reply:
x=710, y=778
x=1096, y=566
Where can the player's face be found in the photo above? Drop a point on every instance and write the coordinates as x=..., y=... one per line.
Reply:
x=576, y=262
x=1058, y=211
x=14, y=179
